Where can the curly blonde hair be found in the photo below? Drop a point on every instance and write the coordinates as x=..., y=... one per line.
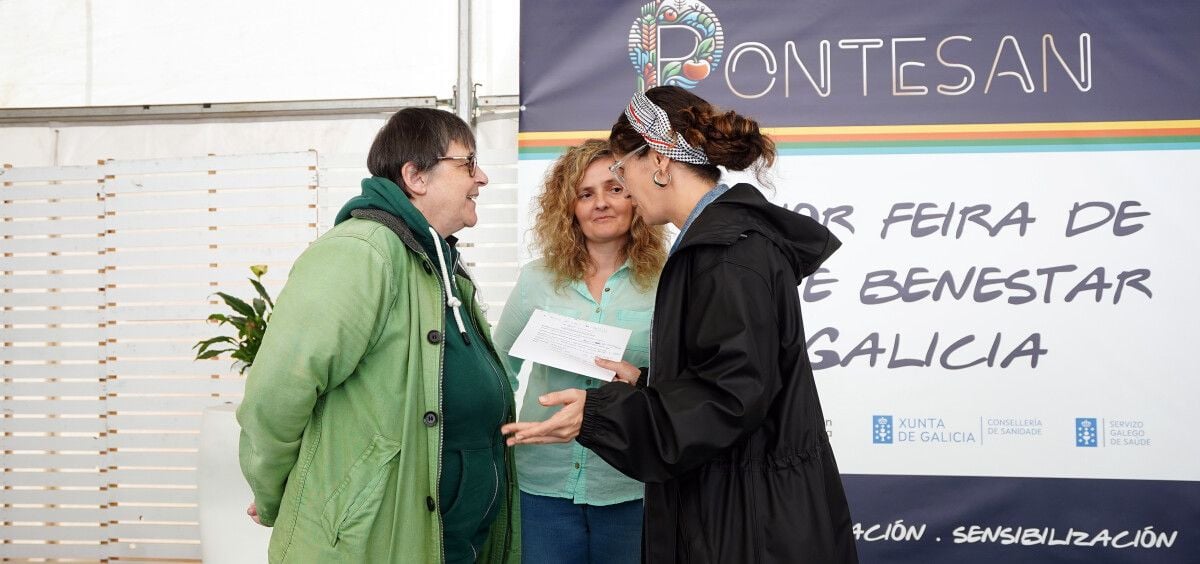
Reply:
x=560, y=239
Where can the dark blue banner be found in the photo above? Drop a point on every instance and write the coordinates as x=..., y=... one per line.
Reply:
x=849, y=63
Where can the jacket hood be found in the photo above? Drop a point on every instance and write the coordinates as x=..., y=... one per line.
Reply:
x=743, y=209
x=379, y=193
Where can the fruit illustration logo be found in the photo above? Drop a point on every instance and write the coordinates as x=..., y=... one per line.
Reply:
x=692, y=19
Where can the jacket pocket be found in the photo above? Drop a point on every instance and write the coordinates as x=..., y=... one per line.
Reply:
x=478, y=492
x=635, y=316
x=637, y=321
x=350, y=510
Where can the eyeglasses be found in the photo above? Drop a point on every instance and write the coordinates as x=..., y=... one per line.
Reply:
x=618, y=168
x=471, y=162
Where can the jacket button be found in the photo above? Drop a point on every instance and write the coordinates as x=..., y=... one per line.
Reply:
x=434, y=336
x=430, y=419
x=429, y=503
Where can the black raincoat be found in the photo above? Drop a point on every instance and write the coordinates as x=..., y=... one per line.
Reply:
x=727, y=431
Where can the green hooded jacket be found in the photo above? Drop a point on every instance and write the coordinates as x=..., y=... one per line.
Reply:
x=342, y=431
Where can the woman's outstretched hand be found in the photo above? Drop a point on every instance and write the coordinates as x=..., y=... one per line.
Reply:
x=562, y=427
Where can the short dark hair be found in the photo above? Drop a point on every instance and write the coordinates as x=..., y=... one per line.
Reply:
x=418, y=136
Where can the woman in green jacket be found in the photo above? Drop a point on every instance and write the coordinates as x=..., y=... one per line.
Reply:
x=371, y=419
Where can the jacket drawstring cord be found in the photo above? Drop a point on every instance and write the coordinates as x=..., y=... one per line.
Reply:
x=451, y=301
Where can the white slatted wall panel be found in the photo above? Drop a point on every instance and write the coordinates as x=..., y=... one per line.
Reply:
x=489, y=249
x=341, y=175
x=107, y=277
x=53, y=363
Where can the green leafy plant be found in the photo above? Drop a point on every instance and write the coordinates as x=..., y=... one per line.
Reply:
x=250, y=320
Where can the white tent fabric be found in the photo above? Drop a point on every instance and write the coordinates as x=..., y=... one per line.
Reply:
x=101, y=400
x=116, y=52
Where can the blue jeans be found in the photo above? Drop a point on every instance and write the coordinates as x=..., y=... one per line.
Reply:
x=556, y=530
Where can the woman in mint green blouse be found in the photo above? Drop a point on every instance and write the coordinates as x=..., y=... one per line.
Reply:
x=600, y=263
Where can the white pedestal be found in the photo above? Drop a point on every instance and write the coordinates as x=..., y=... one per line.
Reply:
x=227, y=535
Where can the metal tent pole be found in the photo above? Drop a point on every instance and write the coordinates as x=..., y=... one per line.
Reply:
x=464, y=91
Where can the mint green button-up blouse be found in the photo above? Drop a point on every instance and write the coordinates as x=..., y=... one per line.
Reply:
x=568, y=470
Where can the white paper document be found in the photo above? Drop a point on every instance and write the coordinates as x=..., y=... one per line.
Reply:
x=570, y=344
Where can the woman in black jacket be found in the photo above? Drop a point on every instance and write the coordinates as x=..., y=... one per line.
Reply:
x=725, y=427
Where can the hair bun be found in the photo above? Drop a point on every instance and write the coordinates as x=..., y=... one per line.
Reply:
x=729, y=139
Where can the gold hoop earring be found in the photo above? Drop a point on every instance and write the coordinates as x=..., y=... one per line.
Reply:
x=660, y=183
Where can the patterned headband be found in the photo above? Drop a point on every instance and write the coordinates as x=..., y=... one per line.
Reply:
x=652, y=123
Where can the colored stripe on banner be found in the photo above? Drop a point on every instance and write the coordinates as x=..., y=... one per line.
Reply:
x=970, y=138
